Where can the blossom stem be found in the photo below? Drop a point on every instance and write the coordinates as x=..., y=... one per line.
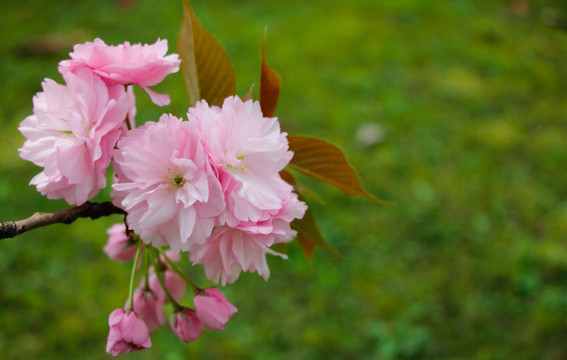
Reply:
x=131, y=290
x=146, y=271
x=155, y=260
x=175, y=268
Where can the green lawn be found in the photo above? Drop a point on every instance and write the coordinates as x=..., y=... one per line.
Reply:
x=470, y=264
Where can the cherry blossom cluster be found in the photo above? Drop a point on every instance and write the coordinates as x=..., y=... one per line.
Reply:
x=207, y=185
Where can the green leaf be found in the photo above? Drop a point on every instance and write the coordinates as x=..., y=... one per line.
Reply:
x=306, y=227
x=270, y=85
x=207, y=71
x=326, y=162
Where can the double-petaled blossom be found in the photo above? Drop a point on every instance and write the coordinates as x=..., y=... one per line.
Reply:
x=127, y=333
x=119, y=247
x=149, y=307
x=243, y=248
x=248, y=151
x=143, y=65
x=72, y=134
x=213, y=309
x=186, y=325
x=165, y=183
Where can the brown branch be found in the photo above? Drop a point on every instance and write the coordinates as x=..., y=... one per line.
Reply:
x=10, y=229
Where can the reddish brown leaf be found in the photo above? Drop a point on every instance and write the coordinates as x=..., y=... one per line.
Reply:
x=207, y=71
x=326, y=162
x=248, y=95
x=307, y=228
x=290, y=179
x=307, y=246
x=270, y=84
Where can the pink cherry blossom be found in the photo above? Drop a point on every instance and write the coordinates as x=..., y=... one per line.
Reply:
x=148, y=306
x=118, y=246
x=186, y=325
x=248, y=150
x=174, y=284
x=127, y=333
x=143, y=65
x=166, y=185
x=243, y=248
x=72, y=134
x=213, y=309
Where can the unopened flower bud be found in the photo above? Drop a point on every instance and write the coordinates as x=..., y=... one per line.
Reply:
x=186, y=325
x=213, y=309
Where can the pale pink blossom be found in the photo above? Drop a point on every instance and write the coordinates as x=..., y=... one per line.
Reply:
x=72, y=134
x=127, y=333
x=149, y=307
x=142, y=65
x=119, y=247
x=248, y=151
x=174, y=284
x=186, y=325
x=213, y=309
x=229, y=251
x=166, y=185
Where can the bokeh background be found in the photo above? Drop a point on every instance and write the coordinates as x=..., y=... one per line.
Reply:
x=462, y=107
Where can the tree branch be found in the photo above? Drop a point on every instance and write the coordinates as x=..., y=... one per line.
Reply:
x=9, y=229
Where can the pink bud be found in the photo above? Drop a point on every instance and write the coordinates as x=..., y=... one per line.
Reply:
x=150, y=309
x=173, y=282
x=118, y=247
x=127, y=333
x=213, y=309
x=186, y=325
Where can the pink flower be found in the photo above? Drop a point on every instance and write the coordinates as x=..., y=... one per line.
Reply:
x=174, y=284
x=72, y=134
x=248, y=150
x=232, y=250
x=143, y=65
x=213, y=309
x=186, y=325
x=166, y=185
x=127, y=333
x=119, y=247
x=149, y=308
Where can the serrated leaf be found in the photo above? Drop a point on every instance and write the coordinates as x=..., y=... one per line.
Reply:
x=326, y=162
x=207, y=71
x=307, y=246
x=307, y=227
x=270, y=85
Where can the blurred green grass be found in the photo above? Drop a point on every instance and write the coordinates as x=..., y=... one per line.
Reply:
x=471, y=263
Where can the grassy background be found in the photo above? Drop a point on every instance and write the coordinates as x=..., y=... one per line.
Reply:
x=471, y=263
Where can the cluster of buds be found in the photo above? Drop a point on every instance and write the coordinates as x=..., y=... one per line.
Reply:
x=163, y=283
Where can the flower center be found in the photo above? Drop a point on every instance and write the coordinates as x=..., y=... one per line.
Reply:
x=179, y=180
x=174, y=179
x=239, y=168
